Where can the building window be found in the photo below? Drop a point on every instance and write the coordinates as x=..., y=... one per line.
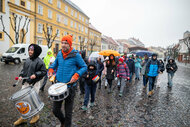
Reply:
x=79, y=17
x=86, y=21
x=28, y=5
x=65, y=33
x=66, y=9
x=40, y=9
x=59, y=4
x=58, y=33
x=23, y=3
x=71, y=24
x=72, y=12
x=86, y=30
x=58, y=18
x=79, y=27
x=50, y=1
x=1, y=5
x=39, y=42
x=83, y=19
x=66, y=21
x=40, y=27
x=49, y=14
x=75, y=25
x=82, y=28
x=75, y=14
x=1, y=36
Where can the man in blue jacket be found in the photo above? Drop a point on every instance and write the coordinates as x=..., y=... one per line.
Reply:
x=70, y=66
x=152, y=70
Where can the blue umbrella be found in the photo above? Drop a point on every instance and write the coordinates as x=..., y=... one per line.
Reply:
x=142, y=53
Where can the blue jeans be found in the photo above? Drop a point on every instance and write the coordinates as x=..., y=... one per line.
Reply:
x=137, y=71
x=89, y=89
x=170, y=79
x=151, y=82
x=145, y=80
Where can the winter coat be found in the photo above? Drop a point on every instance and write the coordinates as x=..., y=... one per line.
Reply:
x=138, y=63
x=173, y=65
x=91, y=73
x=152, y=68
x=110, y=67
x=67, y=67
x=131, y=65
x=143, y=64
x=123, y=70
x=47, y=58
x=100, y=67
x=33, y=65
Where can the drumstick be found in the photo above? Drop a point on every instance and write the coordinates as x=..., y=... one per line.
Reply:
x=62, y=85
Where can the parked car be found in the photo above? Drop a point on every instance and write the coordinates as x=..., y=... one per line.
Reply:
x=19, y=52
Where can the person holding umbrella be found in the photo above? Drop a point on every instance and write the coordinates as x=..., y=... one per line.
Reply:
x=111, y=68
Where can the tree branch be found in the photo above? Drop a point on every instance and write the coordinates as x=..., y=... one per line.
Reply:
x=1, y=18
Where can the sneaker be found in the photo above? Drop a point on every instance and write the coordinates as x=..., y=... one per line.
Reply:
x=120, y=94
x=105, y=87
x=35, y=119
x=20, y=121
x=92, y=104
x=150, y=93
x=118, y=87
x=84, y=108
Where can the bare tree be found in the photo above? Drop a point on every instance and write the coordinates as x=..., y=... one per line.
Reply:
x=82, y=43
x=187, y=43
x=15, y=25
x=175, y=50
x=48, y=32
x=92, y=43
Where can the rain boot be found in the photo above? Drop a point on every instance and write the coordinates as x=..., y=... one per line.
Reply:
x=19, y=121
x=35, y=119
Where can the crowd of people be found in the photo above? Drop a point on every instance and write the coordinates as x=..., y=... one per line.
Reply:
x=70, y=66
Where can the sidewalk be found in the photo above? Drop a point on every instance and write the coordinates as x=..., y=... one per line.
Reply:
x=183, y=64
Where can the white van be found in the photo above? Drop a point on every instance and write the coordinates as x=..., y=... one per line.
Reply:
x=19, y=52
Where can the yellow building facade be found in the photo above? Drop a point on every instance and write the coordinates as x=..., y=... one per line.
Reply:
x=62, y=15
x=65, y=18
x=94, y=39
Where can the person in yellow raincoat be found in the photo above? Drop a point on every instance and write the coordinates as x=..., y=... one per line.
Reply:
x=47, y=63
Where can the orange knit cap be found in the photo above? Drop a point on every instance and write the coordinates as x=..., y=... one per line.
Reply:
x=67, y=38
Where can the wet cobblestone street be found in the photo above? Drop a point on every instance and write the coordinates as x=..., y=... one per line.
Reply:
x=166, y=108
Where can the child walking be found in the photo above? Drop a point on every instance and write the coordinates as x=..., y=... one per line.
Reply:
x=122, y=74
x=90, y=85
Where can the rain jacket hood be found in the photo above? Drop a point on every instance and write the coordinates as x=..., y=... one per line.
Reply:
x=37, y=51
x=48, y=57
x=173, y=61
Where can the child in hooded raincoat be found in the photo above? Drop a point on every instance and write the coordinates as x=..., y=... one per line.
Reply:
x=90, y=85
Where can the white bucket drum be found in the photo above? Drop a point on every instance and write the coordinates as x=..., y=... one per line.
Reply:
x=58, y=91
x=27, y=102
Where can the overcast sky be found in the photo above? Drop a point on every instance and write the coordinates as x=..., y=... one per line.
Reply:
x=154, y=22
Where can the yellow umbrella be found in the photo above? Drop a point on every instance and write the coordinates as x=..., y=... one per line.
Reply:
x=109, y=52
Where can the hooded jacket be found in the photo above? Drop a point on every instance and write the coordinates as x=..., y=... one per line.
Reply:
x=153, y=67
x=91, y=73
x=131, y=65
x=173, y=65
x=33, y=65
x=48, y=57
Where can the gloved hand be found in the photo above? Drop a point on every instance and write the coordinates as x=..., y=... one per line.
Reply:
x=128, y=78
x=118, y=75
